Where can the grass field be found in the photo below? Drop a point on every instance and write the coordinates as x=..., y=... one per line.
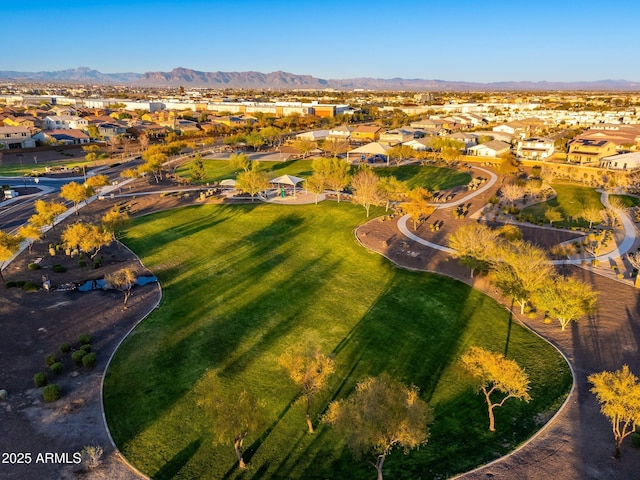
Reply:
x=241, y=283
x=432, y=178
x=429, y=177
x=627, y=200
x=571, y=201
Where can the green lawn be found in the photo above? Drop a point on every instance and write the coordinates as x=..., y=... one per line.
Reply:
x=241, y=283
x=570, y=202
x=217, y=170
x=627, y=200
x=432, y=178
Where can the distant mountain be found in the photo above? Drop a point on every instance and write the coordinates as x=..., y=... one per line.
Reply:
x=75, y=75
x=284, y=80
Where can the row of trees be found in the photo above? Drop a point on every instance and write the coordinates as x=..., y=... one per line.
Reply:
x=522, y=271
x=381, y=414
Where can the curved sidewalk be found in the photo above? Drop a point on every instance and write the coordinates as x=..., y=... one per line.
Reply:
x=629, y=239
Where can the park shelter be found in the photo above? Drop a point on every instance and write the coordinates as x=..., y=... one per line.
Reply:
x=373, y=148
x=229, y=182
x=289, y=180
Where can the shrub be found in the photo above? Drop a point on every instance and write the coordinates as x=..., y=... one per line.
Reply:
x=40, y=379
x=51, y=393
x=20, y=283
x=84, y=339
x=82, y=263
x=50, y=360
x=77, y=356
x=635, y=438
x=10, y=284
x=89, y=360
x=56, y=367
x=65, y=347
x=34, y=266
x=30, y=287
x=86, y=347
x=59, y=269
x=92, y=456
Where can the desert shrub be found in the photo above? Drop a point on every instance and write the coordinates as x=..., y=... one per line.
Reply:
x=65, y=347
x=30, y=287
x=11, y=284
x=84, y=339
x=77, y=356
x=86, y=347
x=92, y=456
x=40, y=379
x=59, y=269
x=34, y=266
x=82, y=263
x=89, y=360
x=50, y=360
x=20, y=283
x=56, y=367
x=51, y=393
x=635, y=438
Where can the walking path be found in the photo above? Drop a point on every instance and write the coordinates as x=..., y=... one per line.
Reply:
x=627, y=243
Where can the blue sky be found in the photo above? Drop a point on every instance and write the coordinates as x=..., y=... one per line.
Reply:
x=563, y=40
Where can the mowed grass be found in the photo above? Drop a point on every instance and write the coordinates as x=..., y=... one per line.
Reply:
x=629, y=201
x=241, y=283
x=218, y=170
x=571, y=201
x=430, y=177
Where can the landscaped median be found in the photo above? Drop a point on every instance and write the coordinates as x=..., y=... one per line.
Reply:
x=242, y=283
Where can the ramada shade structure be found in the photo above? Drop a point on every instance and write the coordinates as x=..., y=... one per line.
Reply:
x=373, y=148
x=287, y=180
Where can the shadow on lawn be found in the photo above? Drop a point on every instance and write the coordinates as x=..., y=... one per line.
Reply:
x=173, y=466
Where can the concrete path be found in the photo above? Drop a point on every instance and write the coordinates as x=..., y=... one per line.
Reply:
x=630, y=229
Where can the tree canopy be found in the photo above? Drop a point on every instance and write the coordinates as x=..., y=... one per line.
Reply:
x=309, y=369
x=382, y=414
x=566, y=299
x=493, y=373
x=619, y=396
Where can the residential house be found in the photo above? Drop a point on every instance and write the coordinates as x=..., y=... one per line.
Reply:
x=515, y=128
x=494, y=148
x=589, y=151
x=185, y=127
x=396, y=136
x=366, y=133
x=16, y=137
x=625, y=137
x=111, y=130
x=314, y=136
x=343, y=132
x=64, y=137
x=418, y=145
x=533, y=148
x=624, y=161
x=65, y=122
x=469, y=139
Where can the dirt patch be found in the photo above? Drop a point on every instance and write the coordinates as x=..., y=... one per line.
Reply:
x=35, y=324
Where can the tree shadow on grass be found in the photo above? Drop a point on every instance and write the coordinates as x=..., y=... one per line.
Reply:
x=179, y=460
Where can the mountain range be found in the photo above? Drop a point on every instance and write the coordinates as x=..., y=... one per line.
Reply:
x=288, y=81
